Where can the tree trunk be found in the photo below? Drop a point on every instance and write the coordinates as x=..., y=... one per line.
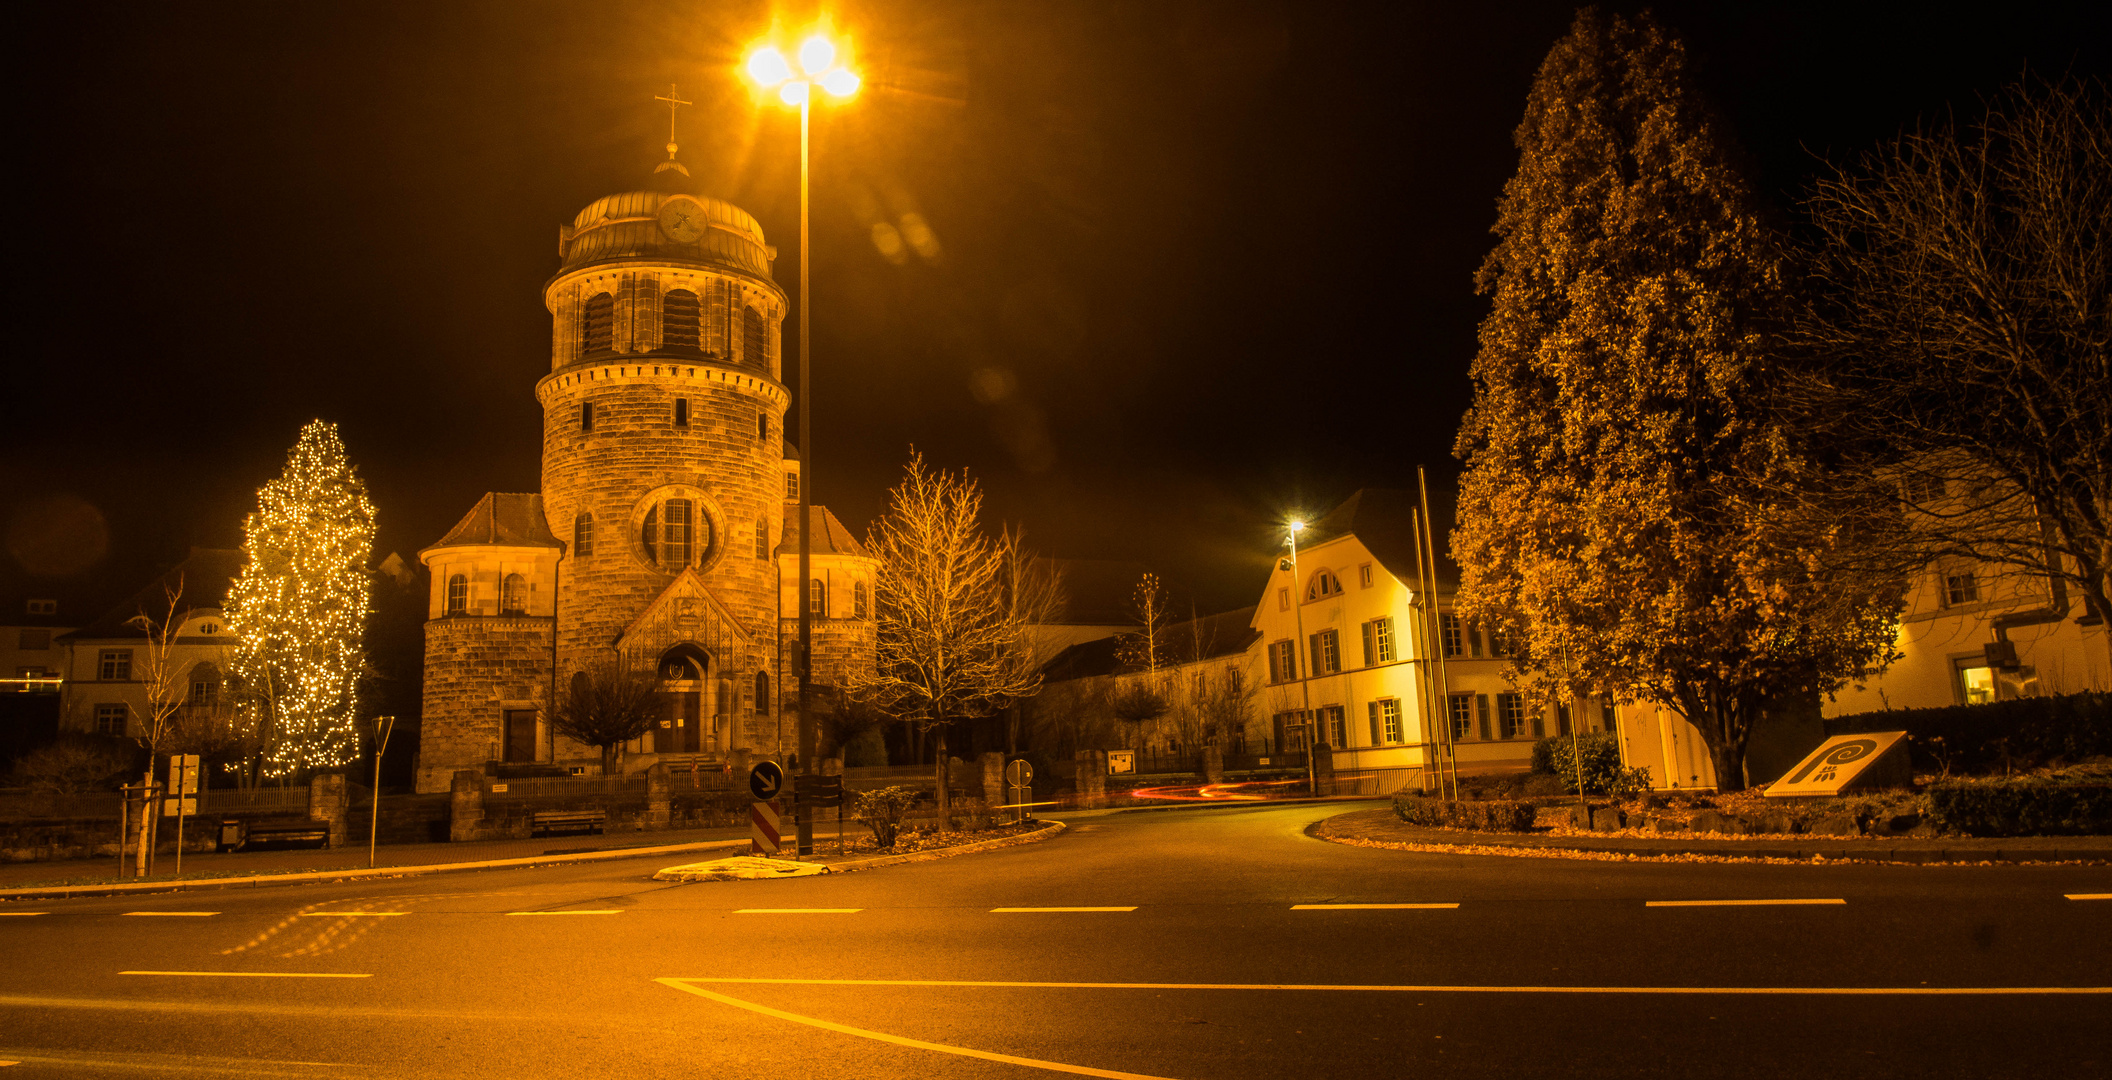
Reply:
x=944, y=797
x=1729, y=759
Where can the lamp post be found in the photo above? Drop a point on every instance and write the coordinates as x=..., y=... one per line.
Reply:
x=818, y=66
x=1302, y=662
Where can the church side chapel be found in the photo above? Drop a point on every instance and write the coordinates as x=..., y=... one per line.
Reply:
x=667, y=527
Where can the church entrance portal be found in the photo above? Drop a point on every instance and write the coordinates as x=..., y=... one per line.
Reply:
x=685, y=671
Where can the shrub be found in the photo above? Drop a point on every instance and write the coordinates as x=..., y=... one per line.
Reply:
x=1483, y=816
x=1603, y=774
x=882, y=810
x=2020, y=808
x=2021, y=733
x=75, y=765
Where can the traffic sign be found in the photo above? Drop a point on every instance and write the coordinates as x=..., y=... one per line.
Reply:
x=762, y=822
x=1019, y=772
x=1121, y=761
x=1871, y=759
x=765, y=781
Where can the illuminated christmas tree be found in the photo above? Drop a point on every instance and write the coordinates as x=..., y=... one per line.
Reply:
x=299, y=608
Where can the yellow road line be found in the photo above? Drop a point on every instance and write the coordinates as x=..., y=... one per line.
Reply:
x=257, y=974
x=606, y=911
x=1863, y=991
x=996, y=910
x=1733, y=903
x=898, y=1040
x=1372, y=907
x=2071, y=896
x=174, y=914
x=20, y=914
x=798, y=911
x=336, y=914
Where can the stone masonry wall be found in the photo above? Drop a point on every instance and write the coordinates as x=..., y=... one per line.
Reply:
x=475, y=669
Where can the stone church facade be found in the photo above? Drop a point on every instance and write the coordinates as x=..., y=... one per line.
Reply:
x=666, y=530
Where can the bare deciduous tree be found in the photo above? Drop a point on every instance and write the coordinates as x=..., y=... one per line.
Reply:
x=1963, y=335
x=1146, y=647
x=610, y=702
x=948, y=640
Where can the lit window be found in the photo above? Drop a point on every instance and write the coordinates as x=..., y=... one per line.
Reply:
x=1283, y=662
x=1461, y=709
x=597, y=324
x=111, y=720
x=818, y=598
x=1385, y=717
x=1322, y=585
x=762, y=539
x=457, y=595
x=1453, y=634
x=678, y=320
x=1364, y=576
x=513, y=595
x=1976, y=684
x=116, y=664
x=1327, y=657
x=1378, y=641
x=755, y=340
x=681, y=412
x=582, y=536
x=1960, y=588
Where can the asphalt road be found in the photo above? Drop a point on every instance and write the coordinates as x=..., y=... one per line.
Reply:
x=1543, y=968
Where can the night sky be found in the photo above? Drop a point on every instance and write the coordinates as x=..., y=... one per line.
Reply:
x=1195, y=266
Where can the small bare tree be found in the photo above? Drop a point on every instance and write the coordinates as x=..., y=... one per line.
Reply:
x=1147, y=647
x=1962, y=335
x=609, y=702
x=949, y=642
x=1136, y=704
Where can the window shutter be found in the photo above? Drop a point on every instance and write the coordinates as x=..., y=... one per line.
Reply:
x=1371, y=646
x=1481, y=705
x=1540, y=725
x=1373, y=710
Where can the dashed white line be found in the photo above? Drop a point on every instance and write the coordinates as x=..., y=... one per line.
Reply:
x=1733, y=903
x=798, y=911
x=174, y=914
x=337, y=914
x=607, y=911
x=257, y=974
x=2071, y=896
x=1373, y=907
x=998, y=910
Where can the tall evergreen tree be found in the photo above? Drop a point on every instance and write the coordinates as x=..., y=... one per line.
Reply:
x=299, y=608
x=1617, y=515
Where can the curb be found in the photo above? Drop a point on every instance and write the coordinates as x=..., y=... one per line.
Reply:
x=1045, y=832
x=1773, y=853
x=311, y=877
x=1216, y=804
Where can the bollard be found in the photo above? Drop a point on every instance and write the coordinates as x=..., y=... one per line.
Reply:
x=465, y=805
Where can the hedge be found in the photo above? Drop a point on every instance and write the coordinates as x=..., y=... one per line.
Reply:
x=1557, y=756
x=2020, y=808
x=2021, y=733
x=1483, y=816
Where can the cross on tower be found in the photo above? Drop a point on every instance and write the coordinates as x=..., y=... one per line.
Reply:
x=674, y=102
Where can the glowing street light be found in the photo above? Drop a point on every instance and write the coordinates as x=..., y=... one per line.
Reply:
x=1301, y=663
x=819, y=64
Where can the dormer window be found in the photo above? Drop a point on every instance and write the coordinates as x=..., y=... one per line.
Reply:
x=1322, y=586
x=43, y=607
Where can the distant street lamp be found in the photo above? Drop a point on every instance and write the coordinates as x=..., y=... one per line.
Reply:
x=818, y=66
x=1302, y=663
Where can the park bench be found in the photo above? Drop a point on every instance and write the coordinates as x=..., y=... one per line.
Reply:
x=549, y=821
x=286, y=831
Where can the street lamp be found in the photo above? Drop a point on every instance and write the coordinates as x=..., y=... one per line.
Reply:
x=1302, y=663
x=818, y=66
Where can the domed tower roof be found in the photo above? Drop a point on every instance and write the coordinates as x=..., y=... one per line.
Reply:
x=628, y=226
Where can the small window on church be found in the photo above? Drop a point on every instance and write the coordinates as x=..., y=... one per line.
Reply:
x=858, y=599
x=755, y=340
x=818, y=598
x=762, y=539
x=458, y=595
x=582, y=536
x=762, y=691
x=513, y=595
x=597, y=325
x=678, y=320
x=791, y=485
x=762, y=424
x=681, y=412
x=586, y=416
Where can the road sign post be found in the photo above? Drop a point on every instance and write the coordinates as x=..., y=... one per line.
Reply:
x=183, y=784
x=1019, y=781
x=765, y=780
x=383, y=725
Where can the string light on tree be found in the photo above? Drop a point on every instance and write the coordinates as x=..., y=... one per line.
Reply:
x=299, y=608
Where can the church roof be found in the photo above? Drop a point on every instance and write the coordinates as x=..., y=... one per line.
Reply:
x=830, y=537
x=627, y=225
x=504, y=518
x=204, y=578
x=1383, y=519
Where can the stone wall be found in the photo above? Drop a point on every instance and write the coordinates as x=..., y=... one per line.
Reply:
x=475, y=669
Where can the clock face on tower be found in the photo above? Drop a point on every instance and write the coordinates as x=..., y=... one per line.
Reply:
x=683, y=219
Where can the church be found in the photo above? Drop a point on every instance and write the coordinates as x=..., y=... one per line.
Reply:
x=667, y=527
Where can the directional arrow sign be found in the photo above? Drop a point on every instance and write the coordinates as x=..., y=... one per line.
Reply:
x=765, y=781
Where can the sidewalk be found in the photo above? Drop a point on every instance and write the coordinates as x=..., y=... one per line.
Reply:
x=1381, y=827
x=237, y=869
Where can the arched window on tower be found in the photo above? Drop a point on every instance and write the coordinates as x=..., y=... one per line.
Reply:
x=597, y=325
x=755, y=340
x=513, y=595
x=583, y=535
x=678, y=320
x=669, y=534
x=458, y=595
x=858, y=599
x=818, y=598
x=762, y=691
x=762, y=539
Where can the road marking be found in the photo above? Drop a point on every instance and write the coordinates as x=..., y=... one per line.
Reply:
x=798, y=911
x=335, y=914
x=1733, y=903
x=996, y=910
x=604, y=911
x=1372, y=907
x=2071, y=896
x=23, y=914
x=174, y=914
x=1861, y=991
x=898, y=1040
x=257, y=974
